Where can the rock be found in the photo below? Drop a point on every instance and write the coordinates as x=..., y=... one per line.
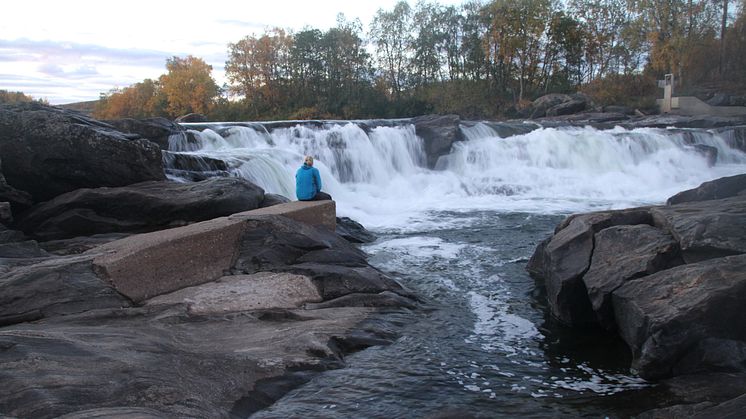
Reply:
x=438, y=132
x=623, y=253
x=719, y=99
x=706, y=229
x=193, y=162
x=54, y=287
x=353, y=231
x=141, y=207
x=315, y=213
x=734, y=136
x=21, y=249
x=625, y=110
x=47, y=151
x=685, y=319
x=158, y=130
x=236, y=293
x=191, y=117
x=382, y=299
x=725, y=187
x=709, y=152
x=271, y=199
x=567, y=108
x=18, y=200
x=505, y=129
x=567, y=256
x=6, y=215
x=542, y=104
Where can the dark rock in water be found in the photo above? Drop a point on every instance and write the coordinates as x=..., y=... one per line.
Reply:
x=193, y=162
x=709, y=152
x=719, y=99
x=623, y=253
x=353, y=231
x=706, y=229
x=271, y=199
x=6, y=215
x=48, y=151
x=141, y=207
x=682, y=121
x=191, y=117
x=506, y=129
x=705, y=395
x=717, y=189
x=686, y=319
x=438, y=132
x=21, y=249
x=158, y=130
x=735, y=136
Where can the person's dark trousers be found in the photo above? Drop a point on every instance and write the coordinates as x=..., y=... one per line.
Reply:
x=322, y=196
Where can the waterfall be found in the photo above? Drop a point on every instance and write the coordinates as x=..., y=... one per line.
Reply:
x=379, y=174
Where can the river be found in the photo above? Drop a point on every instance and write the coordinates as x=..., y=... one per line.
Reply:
x=460, y=237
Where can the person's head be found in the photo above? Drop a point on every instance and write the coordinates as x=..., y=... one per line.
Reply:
x=308, y=161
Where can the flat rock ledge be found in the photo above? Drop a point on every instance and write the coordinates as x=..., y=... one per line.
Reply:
x=670, y=280
x=214, y=319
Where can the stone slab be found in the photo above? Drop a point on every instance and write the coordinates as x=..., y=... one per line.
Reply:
x=316, y=213
x=260, y=291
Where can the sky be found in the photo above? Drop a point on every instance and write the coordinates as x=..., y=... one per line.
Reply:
x=74, y=50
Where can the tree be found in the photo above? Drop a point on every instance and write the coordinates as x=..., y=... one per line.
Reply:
x=141, y=100
x=18, y=97
x=391, y=33
x=188, y=86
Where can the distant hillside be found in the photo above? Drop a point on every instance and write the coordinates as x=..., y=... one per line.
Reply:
x=85, y=107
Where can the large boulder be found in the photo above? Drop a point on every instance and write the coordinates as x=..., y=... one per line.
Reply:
x=717, y=189
x=438, y=133
x=570, y=107
x=49, y=151
x=140, y=207
x=706, y=229
x=562, y=261
x=623, y=253
x=158, y=130
x=686, y=319
x=18, y=200
x=540, y=106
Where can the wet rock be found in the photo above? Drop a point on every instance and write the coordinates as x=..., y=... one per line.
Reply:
x=158, y=130
x=570, y=107
x=624, y=110
x=438, y=133
x=141, y=207
x=680, y=320
x=16, y=200
x=725, y=187
x=623, y=253
x=48, y=151
x=353, y=231
x=567, y=256
x=540, y=106
x=6, y=215
x=705, y=229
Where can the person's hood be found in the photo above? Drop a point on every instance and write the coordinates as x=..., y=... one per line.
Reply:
x=306, y=167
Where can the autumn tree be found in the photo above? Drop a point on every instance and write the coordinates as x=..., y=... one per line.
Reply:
x=188, y=86
x=140, y=100
x=391, y=34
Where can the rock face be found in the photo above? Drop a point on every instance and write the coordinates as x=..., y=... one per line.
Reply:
x=157, y=130
x=140, y=207
x=438, y=132
x=47, y=152
x=284, y=298
x=671, y=279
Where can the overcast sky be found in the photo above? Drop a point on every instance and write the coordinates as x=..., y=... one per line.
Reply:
x=71, y=51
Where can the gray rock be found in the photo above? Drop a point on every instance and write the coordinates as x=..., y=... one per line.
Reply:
x=540, y=106
x=146, y=206
x=158, y=130
x=54, y=287
x=271, y=199
x=438, y=132
x=725, y=187
x=6, y=215
x=567, y=108
x=353, y=231
x=623, y=253
x=566, y=257
x=625, y=110
x=48, y=151
x=669, y=318
x=706, y=229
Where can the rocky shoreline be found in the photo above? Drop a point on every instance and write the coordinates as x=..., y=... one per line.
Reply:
x=128, y=295
x=670, y=280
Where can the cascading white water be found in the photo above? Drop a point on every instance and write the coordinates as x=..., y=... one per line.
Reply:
x=380, y=178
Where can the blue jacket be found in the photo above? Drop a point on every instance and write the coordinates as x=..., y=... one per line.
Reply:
x=307, y=182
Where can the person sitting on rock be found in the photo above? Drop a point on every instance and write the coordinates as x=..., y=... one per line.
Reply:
x=308, y=183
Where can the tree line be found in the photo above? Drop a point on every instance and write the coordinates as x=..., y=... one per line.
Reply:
x=480, y=59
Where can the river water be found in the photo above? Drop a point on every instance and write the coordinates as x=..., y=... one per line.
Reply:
x=460, y=237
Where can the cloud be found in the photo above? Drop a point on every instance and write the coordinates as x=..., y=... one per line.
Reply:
x=46, y=51
x=51, y=69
